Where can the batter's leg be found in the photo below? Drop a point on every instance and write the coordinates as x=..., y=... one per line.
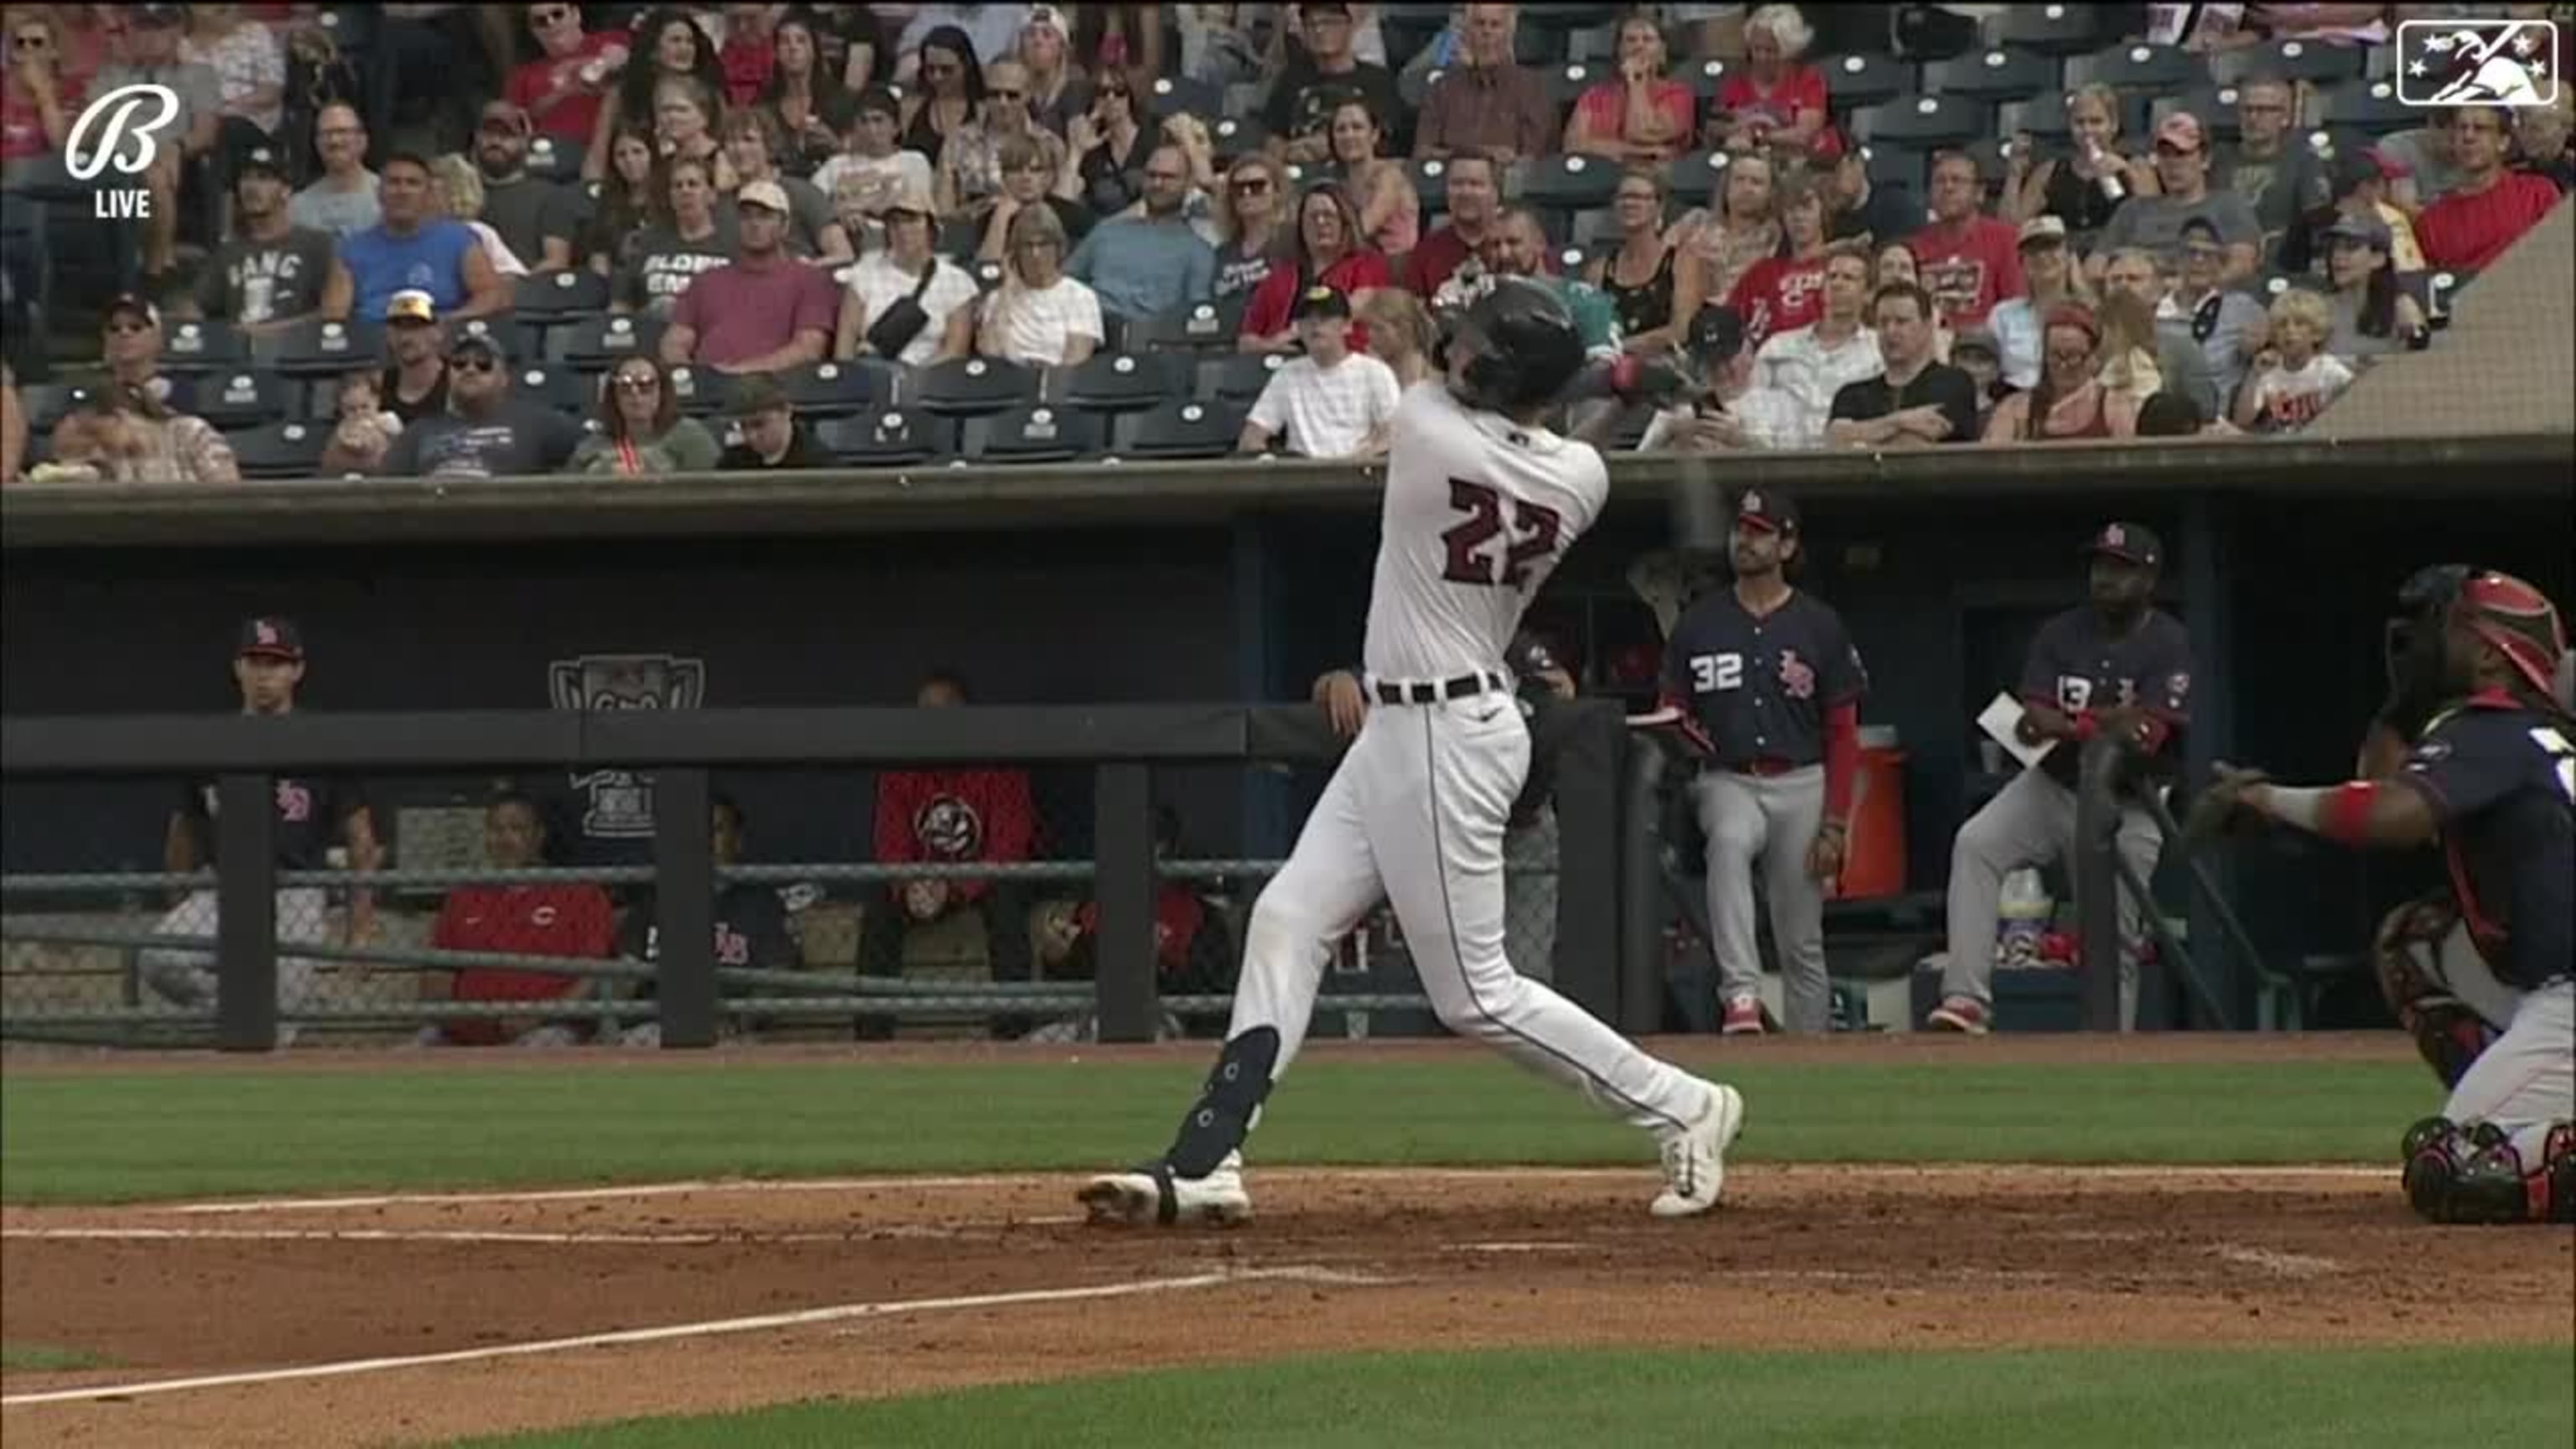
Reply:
x=1328, y=883
x=2517, y=1107
x=1795, y=805
x=2141, y=845
x=1731, y=816
x=2021, y=826
x=1449, y=773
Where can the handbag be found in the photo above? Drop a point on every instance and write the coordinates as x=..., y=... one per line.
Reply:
x=903, y=319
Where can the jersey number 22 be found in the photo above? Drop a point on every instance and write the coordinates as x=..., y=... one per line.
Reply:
x=1534, y=533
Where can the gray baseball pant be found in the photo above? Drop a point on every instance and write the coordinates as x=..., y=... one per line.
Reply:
x=1769, y=821
x=2526, y=1079
x=2032, y=822
x=185, y=976
x=1529, y=896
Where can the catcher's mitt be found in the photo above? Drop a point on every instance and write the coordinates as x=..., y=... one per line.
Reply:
x=2220, y=809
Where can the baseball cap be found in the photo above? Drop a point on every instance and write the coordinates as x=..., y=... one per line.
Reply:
x=259, y=158
x=503, y=115
x=2051, y=229
x=1717, y=334
x=755, y=393
x=2363, y=163
x=766, y=194
x=1977, y=339
x=878, y=101
x=1321, y=302
x=2132, y=541
x=2369, y=231
x=411, y=305
x=130, y=304
x=1767, y=509
x=2181, y=129
x=157, y=14
x=271, y=637
x=912, y=198
x=479, y=339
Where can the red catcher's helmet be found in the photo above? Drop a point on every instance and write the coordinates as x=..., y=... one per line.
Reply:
x=2520, y=622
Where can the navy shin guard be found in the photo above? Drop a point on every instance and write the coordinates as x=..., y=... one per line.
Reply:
x=1223, y=1115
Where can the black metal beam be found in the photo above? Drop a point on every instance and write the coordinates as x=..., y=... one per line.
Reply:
x=246, y=904
x=684, y=904
x=1123, y=883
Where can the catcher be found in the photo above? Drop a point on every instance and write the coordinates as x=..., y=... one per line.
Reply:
x=2472, y=749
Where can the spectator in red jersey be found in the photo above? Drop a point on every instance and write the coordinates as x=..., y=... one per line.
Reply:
x=1969, y=261
x=558, y=919
x=560, y=90
x=2491, y=207
x=949, y=817
x=1774, y=99
x=1641, y=116
x=1779, y=293
x=749, y=52
x=1329, y=252
x=1475, y=205
x=1649, y=282
x=1192, y=951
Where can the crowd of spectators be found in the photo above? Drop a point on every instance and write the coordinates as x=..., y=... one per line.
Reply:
x=454, y=240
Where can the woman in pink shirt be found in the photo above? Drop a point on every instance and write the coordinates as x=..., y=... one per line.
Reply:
x=1390, y=209
x=38, y=99
x=1775, y=100
x=1329, y=252
x=1640, y=116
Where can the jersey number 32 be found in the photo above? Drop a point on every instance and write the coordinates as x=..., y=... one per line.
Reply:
x=1473, y=560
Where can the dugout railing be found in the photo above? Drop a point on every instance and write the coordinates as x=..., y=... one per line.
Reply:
x=1122, y=746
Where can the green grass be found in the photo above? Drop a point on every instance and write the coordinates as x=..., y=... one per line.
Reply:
x=43, y=1358
x=117, y=1137
x=2096, y=1400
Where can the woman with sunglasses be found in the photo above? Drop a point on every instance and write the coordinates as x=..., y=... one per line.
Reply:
x=952, y=87
x=1111, y=142
x=1328, y=251
x=804, y=98
x=2070, y=400
x=641, y=431
x=1652, y=294
x=679, y=51
x=564, y=88
x=1250, y=215
x=38, y=102
x=1040, y=317
x=970, y=165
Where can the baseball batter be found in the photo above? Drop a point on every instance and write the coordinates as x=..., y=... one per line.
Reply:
x=2119, y=667
x=1481, y=504
x=2488, y=986
x=1770, y=686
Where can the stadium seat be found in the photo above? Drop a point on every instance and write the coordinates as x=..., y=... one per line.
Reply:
x=2050, y=29
x=1181, y=430
x=1597, y=227
x=887, y=440
x=554, y=158
x=700, y=392
x=560, y=388
x=192, y=349
x=1193, y=324
x=2440, y=288
x=1039, y=434
x=1569, y=16
x=1176, y=95
x=2043, y=116
x=2304, y=60
x=838, y=389
x=1923, y=122
x=1570, y=80
x=1117, y=382
x=1596, y=45
x=1852, y=81
x=1430, y=182
x=1993, y=75
x=1238, y=136
x=1694, y=177
x=959, y=237
x=1237, y=377
x=1892, y=165
x=502, y=331
x=1570, y=183
x=291, y=449
x=1704, y=77
x=598, y=342
x=560, y=296
x=47, y=403
x=988, y=275
x=1993, y=156
x=2215, y=106
x=242, y=399
x=318, y=348
x=2370, y=107
x=2153, y=69
x=971, y=386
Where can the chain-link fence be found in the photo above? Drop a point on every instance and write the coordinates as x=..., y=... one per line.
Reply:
x=524, y=911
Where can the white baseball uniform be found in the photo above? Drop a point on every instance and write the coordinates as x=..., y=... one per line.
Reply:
x=1478, y=512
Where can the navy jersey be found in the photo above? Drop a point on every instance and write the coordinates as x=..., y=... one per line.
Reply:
x=751, y=932
x=309, y=816
x=2076, y=665
x=1760, y=685
x=2502, y=780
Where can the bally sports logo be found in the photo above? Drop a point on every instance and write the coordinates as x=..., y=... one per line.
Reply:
x=125, y=143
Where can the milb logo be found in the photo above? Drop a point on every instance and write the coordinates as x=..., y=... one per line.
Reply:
x=129, y=145
x=2477, y=63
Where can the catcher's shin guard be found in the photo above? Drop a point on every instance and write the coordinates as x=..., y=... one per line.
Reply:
x=1227, y=1106
x=2479, y=1176
x=2448, y=1034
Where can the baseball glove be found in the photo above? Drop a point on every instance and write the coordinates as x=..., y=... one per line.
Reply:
x=2220, y=809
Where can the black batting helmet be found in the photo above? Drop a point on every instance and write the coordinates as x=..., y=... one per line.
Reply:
x=1521, y=344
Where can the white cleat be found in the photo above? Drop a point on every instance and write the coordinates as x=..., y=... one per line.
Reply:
x=1695, y=1158
x=1152, y=1196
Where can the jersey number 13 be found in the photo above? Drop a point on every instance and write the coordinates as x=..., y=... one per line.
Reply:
x=1472, y=560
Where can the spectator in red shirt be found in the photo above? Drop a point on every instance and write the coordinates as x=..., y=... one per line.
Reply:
x=1774, y=100
x=561, y=89
x=1641, y=116
x=949, y=817
x=1329, y=252
x=1782, y=293
x=39, y=97
x=767, y=311
x=1191, y=950
x=2491, y=207
x=1475, y=205
x=1969, y=261
x=553, y=919
x=749, y=52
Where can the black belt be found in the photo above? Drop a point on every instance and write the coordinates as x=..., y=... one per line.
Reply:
x=1425, y=692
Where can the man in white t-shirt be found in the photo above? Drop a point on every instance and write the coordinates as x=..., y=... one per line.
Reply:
x=864, y=182
x=1814, y=362
x=1332, y=402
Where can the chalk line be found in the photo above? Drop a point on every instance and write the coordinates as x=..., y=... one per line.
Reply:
x=763, y=1323
x=146, y=1234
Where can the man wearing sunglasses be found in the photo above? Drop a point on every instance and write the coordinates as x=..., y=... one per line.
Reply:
x=486, y=433
x=1144, y=266
x=1327, y=75
x=560, y=90
x=2155, y=222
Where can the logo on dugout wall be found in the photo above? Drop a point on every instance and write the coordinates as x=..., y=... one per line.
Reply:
x=618, y=804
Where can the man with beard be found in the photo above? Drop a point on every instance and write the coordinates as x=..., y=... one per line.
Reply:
x=2118, y=667
x=273, y=273
x=533, y=215
x=1144, y=266
x=486, y=433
